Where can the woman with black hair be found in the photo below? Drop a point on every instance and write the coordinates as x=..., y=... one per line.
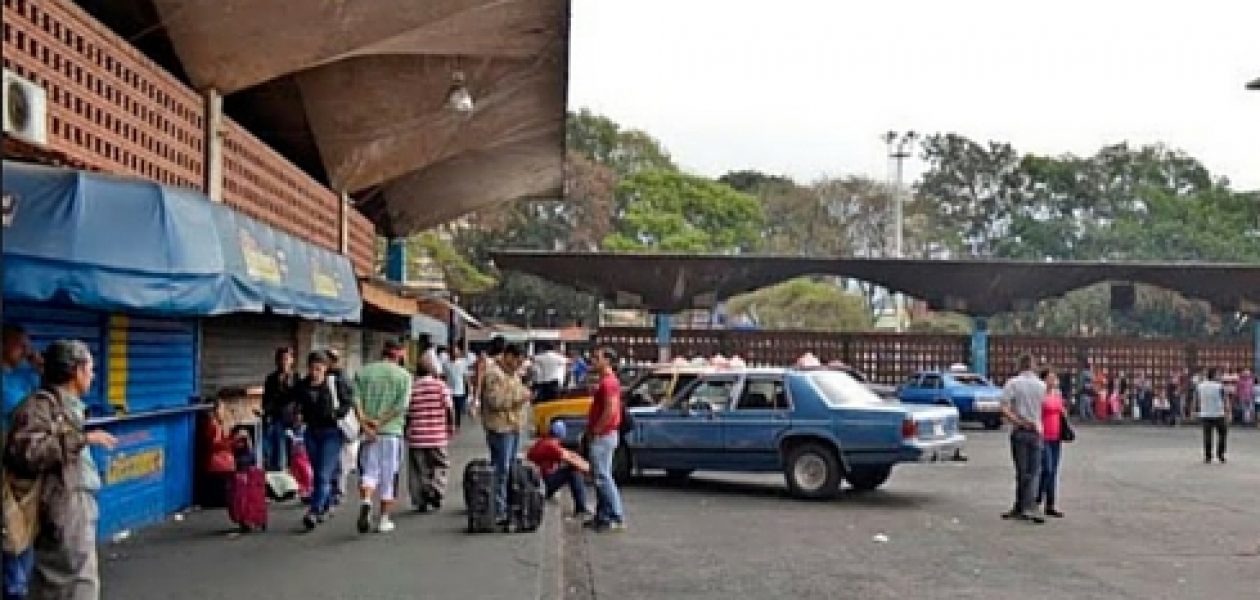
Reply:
x=321, y=406
x=48, y=446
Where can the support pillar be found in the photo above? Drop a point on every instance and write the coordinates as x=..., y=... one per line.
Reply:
x=396, y=260
x=213, y=184
x=664, y=330
x=343, y=225
x=1255, y=343
x=980, y=345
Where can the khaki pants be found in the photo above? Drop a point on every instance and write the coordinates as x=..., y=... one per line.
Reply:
x=66, y=569
x=427, y=472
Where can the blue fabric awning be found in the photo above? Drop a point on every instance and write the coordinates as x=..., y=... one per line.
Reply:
x=125, y=244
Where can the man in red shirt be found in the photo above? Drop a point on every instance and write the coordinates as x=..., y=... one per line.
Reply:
x=560, y=467
x=602, y=425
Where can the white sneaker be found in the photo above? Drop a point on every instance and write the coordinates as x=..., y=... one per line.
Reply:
x=385, y=526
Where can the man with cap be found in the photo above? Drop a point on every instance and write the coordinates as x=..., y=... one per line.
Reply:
x=561, y=467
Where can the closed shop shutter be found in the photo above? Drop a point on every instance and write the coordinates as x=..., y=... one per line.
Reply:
x=45, y=324
x=152, y=363
x=239, y=350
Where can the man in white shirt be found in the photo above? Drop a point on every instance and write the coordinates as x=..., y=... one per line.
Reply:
x=1210, y=397
x=550, y=368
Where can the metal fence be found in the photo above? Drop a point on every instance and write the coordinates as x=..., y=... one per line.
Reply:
x=890, y=357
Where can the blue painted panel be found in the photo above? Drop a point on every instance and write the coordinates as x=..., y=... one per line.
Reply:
x=149, y=475
x=161, y=363
x=48, y=323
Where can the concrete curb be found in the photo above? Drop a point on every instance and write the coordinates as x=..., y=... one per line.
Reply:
x=551, y=564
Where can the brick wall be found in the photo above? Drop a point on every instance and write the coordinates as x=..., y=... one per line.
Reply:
x=112, y=109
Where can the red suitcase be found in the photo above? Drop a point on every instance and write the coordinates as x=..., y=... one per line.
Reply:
x=300, y=467
x=247, y=498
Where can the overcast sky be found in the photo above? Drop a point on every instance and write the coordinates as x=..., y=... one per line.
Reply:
x=806, y=87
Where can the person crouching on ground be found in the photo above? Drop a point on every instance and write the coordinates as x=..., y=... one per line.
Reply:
x=1052, y=416
x=561, y=467
x=48, y=443
x=431, y=423
x=384, y=390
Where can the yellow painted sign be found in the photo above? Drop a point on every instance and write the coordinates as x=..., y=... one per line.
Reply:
x=125, y=467
x=260, y=264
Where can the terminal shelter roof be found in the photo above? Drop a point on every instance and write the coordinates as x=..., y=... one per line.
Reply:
x=673, y=282
x=361, y=88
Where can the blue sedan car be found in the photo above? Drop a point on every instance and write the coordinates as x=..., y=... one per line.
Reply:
x=817, y=427
x=976, y=399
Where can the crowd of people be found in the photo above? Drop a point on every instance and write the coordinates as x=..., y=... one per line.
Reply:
x=1098, y=394
x=323, y=419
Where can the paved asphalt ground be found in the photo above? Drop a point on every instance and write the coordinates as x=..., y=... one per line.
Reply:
x=429, y=557
x=1146, y=519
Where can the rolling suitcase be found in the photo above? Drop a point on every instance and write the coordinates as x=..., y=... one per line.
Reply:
x=479, y=496
x=526, y=499
x=247, y=498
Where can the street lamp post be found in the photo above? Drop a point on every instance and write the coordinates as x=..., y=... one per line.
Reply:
x=900, y=146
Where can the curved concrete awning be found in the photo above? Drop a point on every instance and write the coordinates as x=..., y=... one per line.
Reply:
x=371, y=79
x=671, y=282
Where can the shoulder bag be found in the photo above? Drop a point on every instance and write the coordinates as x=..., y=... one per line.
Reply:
x=21, y=503
x=349, y=424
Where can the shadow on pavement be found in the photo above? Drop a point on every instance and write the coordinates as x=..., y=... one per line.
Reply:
x=705, y=485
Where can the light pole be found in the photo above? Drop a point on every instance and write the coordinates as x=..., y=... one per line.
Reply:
x=900, y=146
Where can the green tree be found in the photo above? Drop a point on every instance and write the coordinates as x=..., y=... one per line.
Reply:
x=604, y=142
x=676, y=212
x=805, y=304
x=974, y=189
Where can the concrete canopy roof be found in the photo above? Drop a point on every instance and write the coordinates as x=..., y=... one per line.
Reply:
x=673, y=282
x=371, y=78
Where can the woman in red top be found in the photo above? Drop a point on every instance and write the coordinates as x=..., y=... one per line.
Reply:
x=1052, y=431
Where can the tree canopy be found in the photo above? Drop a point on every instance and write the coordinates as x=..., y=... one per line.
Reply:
x=975, y=200
x=676, y=212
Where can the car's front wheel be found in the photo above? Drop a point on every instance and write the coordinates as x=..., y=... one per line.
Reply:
x=865, y=478
x=812, y=471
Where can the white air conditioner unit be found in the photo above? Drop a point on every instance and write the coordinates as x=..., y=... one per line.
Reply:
x=25, y=109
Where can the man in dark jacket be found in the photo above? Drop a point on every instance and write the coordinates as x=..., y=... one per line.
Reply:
x=278, y=410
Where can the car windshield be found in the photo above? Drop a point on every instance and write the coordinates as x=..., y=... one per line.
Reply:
x=972, y=380
x=839, y=389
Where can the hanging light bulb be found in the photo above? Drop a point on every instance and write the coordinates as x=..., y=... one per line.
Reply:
x=457, y=98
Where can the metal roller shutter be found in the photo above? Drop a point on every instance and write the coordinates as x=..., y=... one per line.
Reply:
x=45, y=324
x=152, y=363
x=239, y=350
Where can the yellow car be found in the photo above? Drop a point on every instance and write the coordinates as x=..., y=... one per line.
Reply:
x=648, y=388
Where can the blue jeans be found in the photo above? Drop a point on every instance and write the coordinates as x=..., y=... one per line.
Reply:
x=17, y=574
x=567, y=475
x=324, y=448
x=276, y=445
x=1051, y=453
x=608, y=498
x=503, y=448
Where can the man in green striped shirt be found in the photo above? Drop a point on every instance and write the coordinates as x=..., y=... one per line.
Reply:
x=383, y=391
